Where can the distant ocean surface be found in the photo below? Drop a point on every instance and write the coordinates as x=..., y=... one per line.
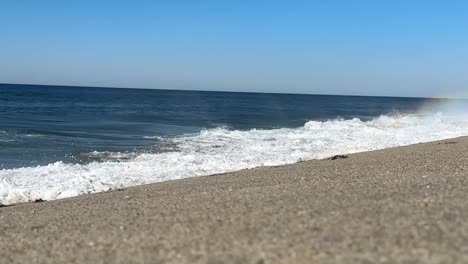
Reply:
x=58, y=142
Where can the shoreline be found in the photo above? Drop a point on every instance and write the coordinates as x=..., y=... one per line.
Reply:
x=40, y=200
x=333, y=157
x=392, y=205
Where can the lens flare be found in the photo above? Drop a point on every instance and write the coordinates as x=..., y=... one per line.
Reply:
x=453, y=107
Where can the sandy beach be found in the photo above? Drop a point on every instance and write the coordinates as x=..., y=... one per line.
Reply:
x=399, y=205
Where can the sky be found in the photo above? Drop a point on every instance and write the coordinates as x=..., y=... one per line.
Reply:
x=393, y=47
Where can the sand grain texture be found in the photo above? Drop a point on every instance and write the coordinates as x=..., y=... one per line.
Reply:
x=400, y=205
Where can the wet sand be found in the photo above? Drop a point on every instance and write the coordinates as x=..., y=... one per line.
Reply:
x=400, y=205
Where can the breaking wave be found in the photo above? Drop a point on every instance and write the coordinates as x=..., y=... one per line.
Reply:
x=223, y=150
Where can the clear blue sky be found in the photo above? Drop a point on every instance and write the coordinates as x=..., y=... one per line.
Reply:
x=405, y=48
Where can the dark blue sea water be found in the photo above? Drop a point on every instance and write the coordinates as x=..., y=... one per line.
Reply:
x=44, y=124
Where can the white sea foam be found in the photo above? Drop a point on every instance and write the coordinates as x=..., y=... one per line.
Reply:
x=222, y=150
x=153, y=137
x=108, y=155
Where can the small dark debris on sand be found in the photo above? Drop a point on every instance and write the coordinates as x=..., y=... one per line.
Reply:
x=115, y=190
x=448, y=142
x=38, y=200
x=338, y=157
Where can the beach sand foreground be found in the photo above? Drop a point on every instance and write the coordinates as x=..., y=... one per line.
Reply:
x=399, y=205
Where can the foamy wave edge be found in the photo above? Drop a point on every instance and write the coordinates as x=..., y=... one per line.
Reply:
x=221, y=150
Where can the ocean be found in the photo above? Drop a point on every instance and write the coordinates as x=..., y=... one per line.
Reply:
x=58, y=142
